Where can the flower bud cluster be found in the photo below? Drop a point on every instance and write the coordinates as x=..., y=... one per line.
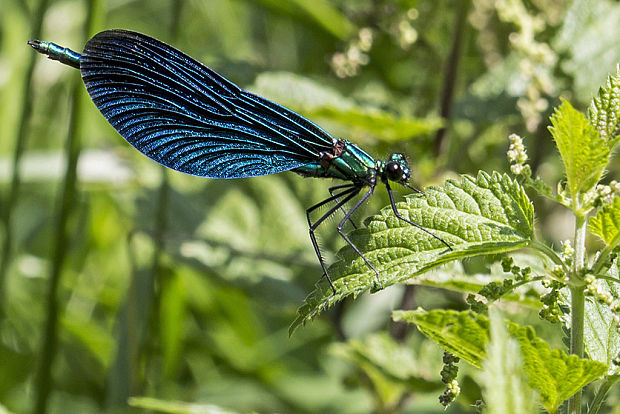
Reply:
x=568, y=252
x=448, y=376
x=552, y=309
x=604, y=194
x=494, y=290
x=517, y=155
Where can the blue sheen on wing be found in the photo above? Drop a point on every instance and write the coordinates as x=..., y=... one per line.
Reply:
x=185, y=116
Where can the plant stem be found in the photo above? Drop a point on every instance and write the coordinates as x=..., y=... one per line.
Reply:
x=577, y=303
x=20, y=144
x=44, y=382
x=450, y=72
x=602, y=391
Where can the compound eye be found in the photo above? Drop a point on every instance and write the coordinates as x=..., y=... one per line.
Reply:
x=394, y=171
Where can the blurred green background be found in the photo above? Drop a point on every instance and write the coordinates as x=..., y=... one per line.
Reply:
x=120, y=279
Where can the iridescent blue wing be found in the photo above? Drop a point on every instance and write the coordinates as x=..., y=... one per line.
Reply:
x=185, y=116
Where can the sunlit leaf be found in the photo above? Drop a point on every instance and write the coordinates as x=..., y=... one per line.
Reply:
x=325, y=105
x=320, y=12
x=390, y=366
x=604, y=111
x=464, y=334
x=601, y=335
x=583, y=151
x=606, y=223
x=507, y=391
x=176, y=407
x=589, y=34
x=553, y=373
x=452, y=276
x=488, y=214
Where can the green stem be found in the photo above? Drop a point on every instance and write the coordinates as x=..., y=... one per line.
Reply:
x=602, y=391
x=44, y=383
x=20, y=144
x=450, y=72
x=577, y=303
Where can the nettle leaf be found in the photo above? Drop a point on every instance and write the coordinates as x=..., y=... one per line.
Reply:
x=583, y=152
x=452, y=276
x=601, y=336
x=606, y=223
x=176, y=407
x=553, y=373
x=327, y=106
x=464, y=334
x=382, y=125
x=604, y=111
x=391, y=367
x=488, y=214
x=505, y=380
x=589, y=39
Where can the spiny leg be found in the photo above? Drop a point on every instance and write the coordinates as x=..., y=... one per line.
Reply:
x=349, y=242
x=334, y=197
x=349, y=193
x=331, y=191
x=397, y=214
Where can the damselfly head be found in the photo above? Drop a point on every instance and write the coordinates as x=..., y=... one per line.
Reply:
x=396, y=169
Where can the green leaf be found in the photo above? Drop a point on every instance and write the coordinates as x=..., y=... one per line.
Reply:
x=320, y=12
x=327, y=106
x=328, y=16
x=606, y=223
x=505, y=380
x=176, y=407
x=488, y=214
x=464, y=334
x=4, y=410
x=601, y=336
x=589, y=37
x=452, y=276
x=604, y=111
x=583, y=152
x=391, y=367
x=382, y=125
x=554, y=374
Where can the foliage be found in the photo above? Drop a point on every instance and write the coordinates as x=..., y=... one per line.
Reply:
x=140, y=289
x=493, y=214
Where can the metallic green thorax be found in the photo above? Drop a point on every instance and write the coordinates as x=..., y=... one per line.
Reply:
x=346, y=162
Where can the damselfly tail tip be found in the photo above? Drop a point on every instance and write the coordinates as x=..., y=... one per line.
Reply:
x=37, y=45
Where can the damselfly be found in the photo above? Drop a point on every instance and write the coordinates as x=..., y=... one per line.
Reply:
x=187, y=117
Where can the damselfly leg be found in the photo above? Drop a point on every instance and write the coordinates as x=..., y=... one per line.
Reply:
x=331, y=192
x=397, y=214
x=348, y=193
x=349, y=242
